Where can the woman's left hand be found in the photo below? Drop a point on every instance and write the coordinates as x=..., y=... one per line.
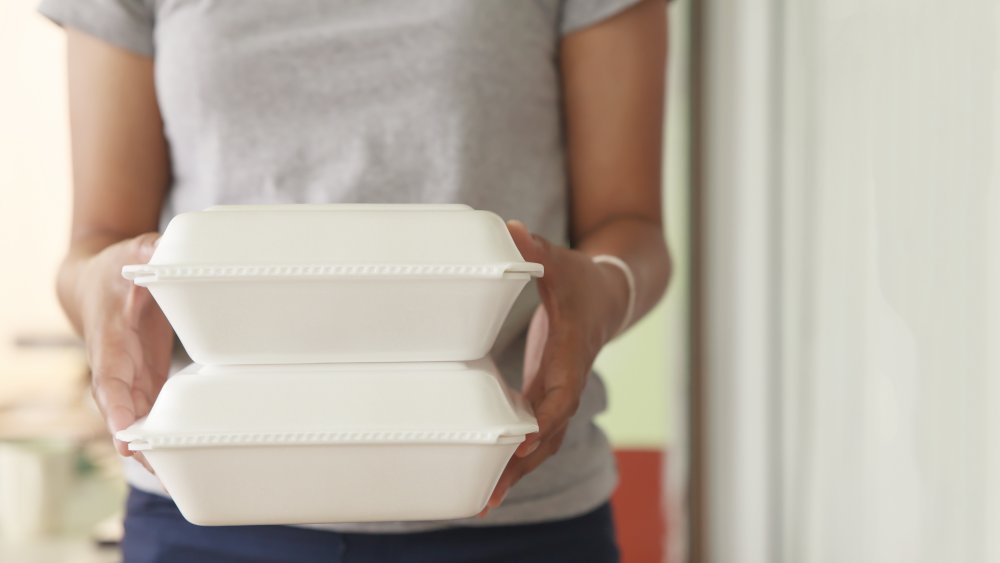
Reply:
x=583, y=306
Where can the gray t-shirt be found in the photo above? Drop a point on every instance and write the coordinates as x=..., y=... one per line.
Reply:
x=319, y=101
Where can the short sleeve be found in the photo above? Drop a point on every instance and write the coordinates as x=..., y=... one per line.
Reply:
x=124, y=23
x=578, y=14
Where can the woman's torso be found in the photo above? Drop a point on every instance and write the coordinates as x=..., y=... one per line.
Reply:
x=390, y=101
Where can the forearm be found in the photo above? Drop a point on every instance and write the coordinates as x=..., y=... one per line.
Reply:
x=613, y=85
x=640, y=243
x=121, y=166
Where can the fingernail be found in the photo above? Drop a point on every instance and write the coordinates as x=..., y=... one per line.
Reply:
x=118, y=421
x=499, y=501
x=530, y=449
x=149, y=247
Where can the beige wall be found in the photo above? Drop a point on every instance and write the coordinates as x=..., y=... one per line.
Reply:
x=34, y=174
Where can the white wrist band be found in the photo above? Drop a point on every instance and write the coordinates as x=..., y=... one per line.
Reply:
x=629, y=280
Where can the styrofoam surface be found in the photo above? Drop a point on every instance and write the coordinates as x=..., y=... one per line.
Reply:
x=395, y=234
x=329, y=484
x=332, y=443
x=335, y=283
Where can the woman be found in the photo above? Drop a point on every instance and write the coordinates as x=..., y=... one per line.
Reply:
x=546, y=111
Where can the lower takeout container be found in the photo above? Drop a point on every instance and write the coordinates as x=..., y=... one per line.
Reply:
x=311, y=444
x=335, y=283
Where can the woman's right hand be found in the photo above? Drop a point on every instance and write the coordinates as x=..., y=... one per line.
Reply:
x=128, y=340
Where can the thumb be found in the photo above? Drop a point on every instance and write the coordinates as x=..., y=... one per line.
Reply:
x=533, y=248
x=138, y=299
x=143, y=246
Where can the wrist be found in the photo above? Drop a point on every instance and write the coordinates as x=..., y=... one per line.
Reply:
x=619, y=291
x=69, y=282
x=85, y=292
x=89, y=281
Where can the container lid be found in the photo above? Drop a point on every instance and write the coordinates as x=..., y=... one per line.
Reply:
x=334, y=240
x=430, y=402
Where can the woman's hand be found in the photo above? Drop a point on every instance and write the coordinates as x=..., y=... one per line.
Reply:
x=613, y=76
x=128, y=340
x=583, y=306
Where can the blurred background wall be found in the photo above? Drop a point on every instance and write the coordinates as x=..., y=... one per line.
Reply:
x=850, y=196
x=34, y=173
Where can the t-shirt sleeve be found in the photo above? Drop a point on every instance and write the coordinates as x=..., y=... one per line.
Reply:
x=579, y=14
x=124, y=23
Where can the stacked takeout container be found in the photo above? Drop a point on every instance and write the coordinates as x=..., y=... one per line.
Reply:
x=342, y=370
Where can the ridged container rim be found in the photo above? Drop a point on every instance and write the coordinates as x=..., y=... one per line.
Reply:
x=138, y=441
x=147, y=273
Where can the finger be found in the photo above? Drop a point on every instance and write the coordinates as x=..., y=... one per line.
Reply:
x=150, y=344
x=157, y=340
x=143, y=383
x=529, y=445
x=139, y=249
x=511, y=474
x=113, y=394
x=533, y=248
x=555, y=391
x=517, y=468
x=553, y=406
x=534, y=346
x=145, y=462
x=522, y=239
x=556, y=349
x=138, y=301
x=553, y=417
x=552, y=388
x=143, y=246
x=535, y=341
x=141, y=401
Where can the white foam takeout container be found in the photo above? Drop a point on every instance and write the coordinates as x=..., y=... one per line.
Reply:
x=332, y=443
x=335, y=283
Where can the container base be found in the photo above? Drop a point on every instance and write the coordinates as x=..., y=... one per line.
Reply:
x=326, y=484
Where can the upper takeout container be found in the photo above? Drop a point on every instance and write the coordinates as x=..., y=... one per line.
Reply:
x=332, y=443
x=331, y=240
x=335, y=283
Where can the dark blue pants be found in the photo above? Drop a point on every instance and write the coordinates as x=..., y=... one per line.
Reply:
x=155, y=531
